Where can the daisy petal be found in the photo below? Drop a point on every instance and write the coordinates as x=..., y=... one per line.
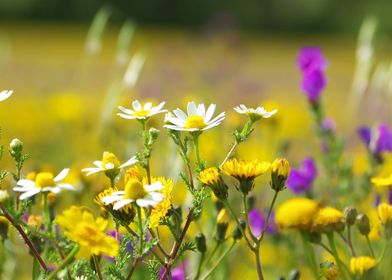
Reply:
x=29, y=193
x=122, y=203
x=61, y=175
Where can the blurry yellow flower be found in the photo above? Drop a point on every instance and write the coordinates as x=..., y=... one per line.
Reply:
x=382, y=181
x=35, y=221
x=223, y=217
x=385, y=213
x=245, y=171
x=133, y=173
x=159, y=212
x=82, y=228
x=327, y=219
x=296, y=213
x=360, y=265
x=280, y=169
x=67, y=106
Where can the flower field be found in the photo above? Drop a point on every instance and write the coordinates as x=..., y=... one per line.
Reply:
x=139, y=153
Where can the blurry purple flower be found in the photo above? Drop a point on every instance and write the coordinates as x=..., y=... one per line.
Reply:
x=328, y=124
x=313, y=83
x=178, y=273
x=377, y=199
x=301, y=180
x=257, y=222
x=310, y=58
x=378, y=141
x=119, y=237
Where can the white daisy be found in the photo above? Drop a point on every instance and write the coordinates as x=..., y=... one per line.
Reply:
x=255, y=114
x=4, y=195
x=197, y=119
x=44, y=182
x=135, y=191
x=141, y=112
x=5, y=94
x=109, y=162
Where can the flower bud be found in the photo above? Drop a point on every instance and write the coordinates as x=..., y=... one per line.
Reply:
x=16, y=146
x=363, y=224
x=222, y=224
x=280, y=170
x=350, y=215
x=4, y=224
x=210, y=177
x=154, y=134
x=237, y=233
x=201, y=242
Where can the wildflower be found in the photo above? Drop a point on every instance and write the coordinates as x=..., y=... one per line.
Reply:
x=327, y=219
x=296, y=213
x=257, y=222
x=210, y=177
x=363, y=224
x=245, y=172
x=350, y=215
x=382, y=181
x=311, y=58
x=378, y=140
x=81, y=227
x=159, y=212
x=385, y=213
x=44, y=182
x=124, y=214
x=360, y=265
x=133, y=172
x=141, y=112
x=280, y=169
x=135, y=191
x=255, y=114
x=200, y=241
x=312, y=64
x=5, y=94
x=301, y=180
x=197, y=118
x=109, y=164
x=4, y=196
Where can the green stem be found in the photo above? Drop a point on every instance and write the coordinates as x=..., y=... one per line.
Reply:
x=46, y=213
x=258, y=262
x=196, y=145
x=208, y=273
x=245, y=204
x=158, y=244
x=213, y=252
x=268, y=216
x=139, y=214
x=370, y=247
x=228, y=207
x=235, y=144
x=349, y=241
x=199, y=266
x=97, y=268
x=331, y=241
x=134, y=263
x=130, y=230
x=65, y=262
x=310, y=254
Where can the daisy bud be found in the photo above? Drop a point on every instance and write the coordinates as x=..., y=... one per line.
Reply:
x=16, y=147
x=154, y=134
x=4, y=224
x=201, y=242
x=280, y=170
x=363, y=224
x=350, y=214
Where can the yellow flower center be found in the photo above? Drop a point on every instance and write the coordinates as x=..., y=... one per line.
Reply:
x=195, y=122
x=88, y=234
x=44, y=179
x=134, y=189
x=110, y=158
x=141, y=113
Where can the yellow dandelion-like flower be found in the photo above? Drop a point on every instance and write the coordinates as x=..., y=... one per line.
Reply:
x=296, y=213
x=385, y=213
x=245, y=172
x=328, y=218
x=82, y=228
x=210, y=177
x=162, y=208
x=133, y=173
x=360, y=265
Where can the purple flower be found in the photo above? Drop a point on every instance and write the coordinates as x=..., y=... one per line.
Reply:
x=301, y=180
x=311, y=58
x=378, y=141
x=377, y=199
x=328, y=125
x=313, y=83
x=257, y=222
x=178, y=272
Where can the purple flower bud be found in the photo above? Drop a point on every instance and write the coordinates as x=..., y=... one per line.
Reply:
x=378, y=141
x=313, y=83
x=311, y=58
x=328, y=124
x=301, y=180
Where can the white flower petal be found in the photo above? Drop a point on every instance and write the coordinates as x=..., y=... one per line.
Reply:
x=129, y=162
x=180, y=114
x=156, y=186
x=136, y=105
x=156, y=196
x=201, y=110
x=191, y=109
x=126, y=110
x=61, y=175
x=29, y=193
x=23, y=189
x=111, y=198
x=121, y=203
x=209, y=113
x=26, y=183
x=66, y=187
x=147, y=106
x=142, y=202
x=5, y=94
x=128, y=117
